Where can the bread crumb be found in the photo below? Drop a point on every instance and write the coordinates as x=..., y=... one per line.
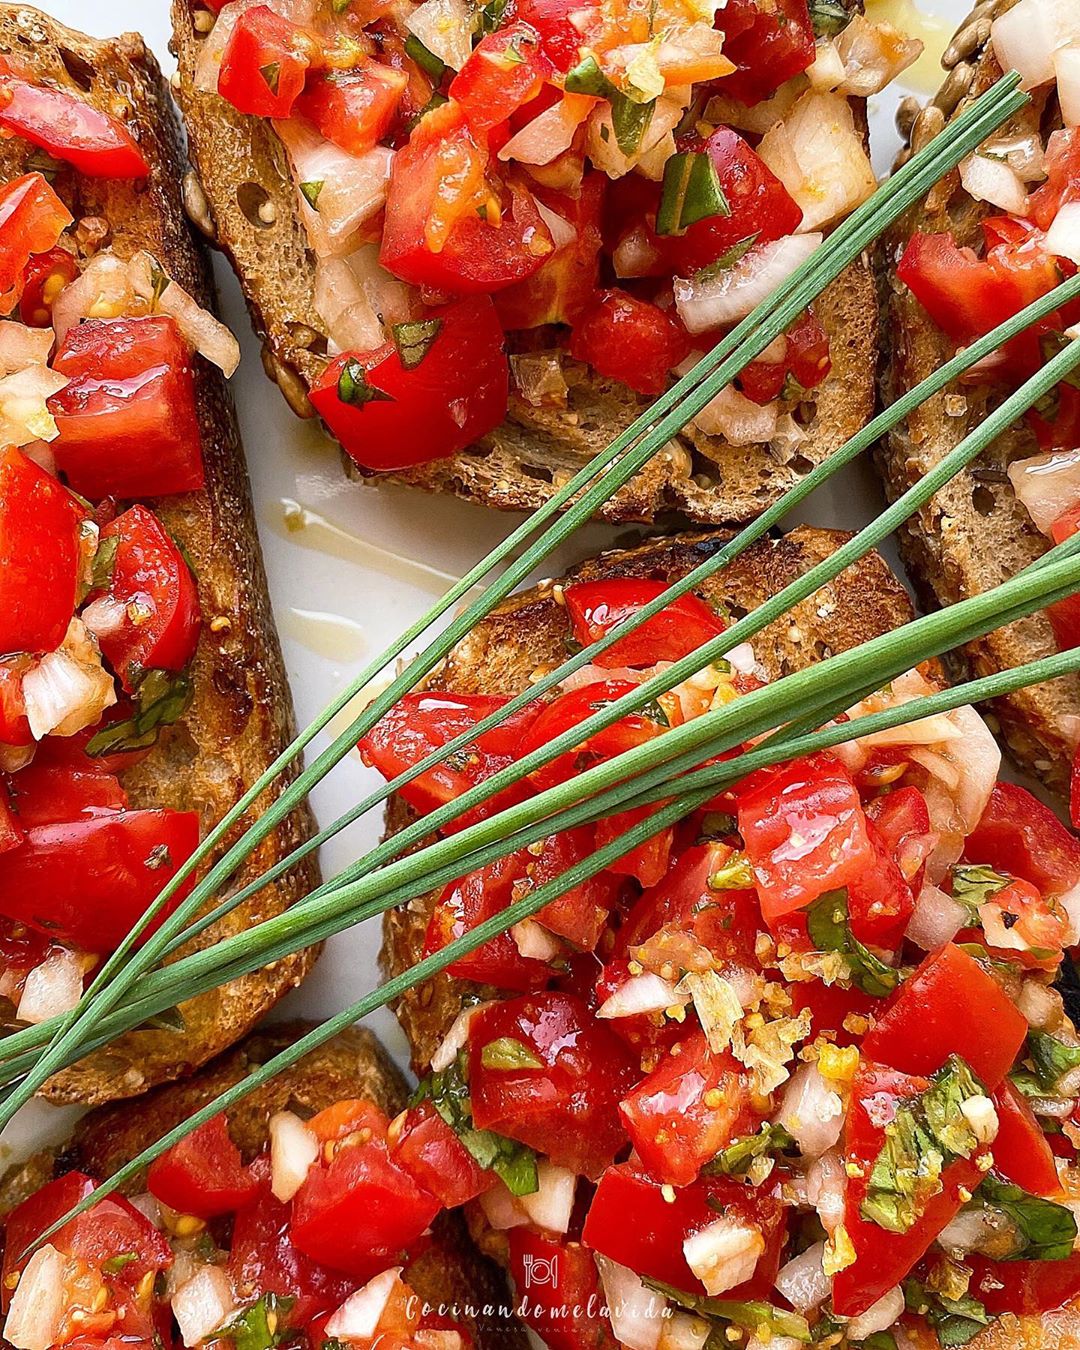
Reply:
x=202, y=20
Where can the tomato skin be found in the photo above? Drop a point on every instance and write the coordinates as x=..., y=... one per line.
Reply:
x=354, y=108
x=880, y=901
x=506, y=70
x=671, y=1124
x=806, y=361
x=649, y=861
x=581, y=914
x=47, y=793
x=429, y=1150
x=32, y=219
x=40, y=556
x=44, y=276
x=631, y=341
x=85, y=882
x=567, y=1109
x=454, y=397
x=203, y=1174
x=565, y=1312
x=949, y=1006
x=91, y=141
x=1019, y=835
x=14, y=727
x=902, y=821
x=560, y=40
x=263, y=41
x=149, y=571
x=815, y=799
x=1021, y=1151
x=1063, y=172
x=128, y=422
x=11, y=830
x=596, y=607
x=768, y=43
x=1024, y=1287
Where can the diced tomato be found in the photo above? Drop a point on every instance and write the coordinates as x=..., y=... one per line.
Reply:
x=806, y=360
x=127, y=419
x=1040, y=932
x=32, y=219
x=40, y=556
x=1055, y=426
x=630, y=340
x=1074, y=785
x=152, y=587
x=1028, y=1288
x=883, y=1258
x=830, y=1006
x=14, y=727
x=560, y=40
x=264, y=63
x=506, y=70
x=635, y=1220
x=47, y=793
x=1021, y=1151
x=419, y=724
x=464, y=905
x=203, y=1174
x=354, y=108
x=649, y=861
x=1062, y=166
x=70, y=752
x=902, y=820
x=44, y=277
x=1066, y=525
x=564, y=1307
x=880, y=901
x=348, y=1117
x=428, y=1149
x=567, y=1107
x=90, y=140
x=805, y=832
x=581, y=914
x=949, y=1006
x=1018, y=835
x=11, y=831
x=389, y=415
x=769, y=42
x=596, y=607
x=689, y=1108
x=85, y=882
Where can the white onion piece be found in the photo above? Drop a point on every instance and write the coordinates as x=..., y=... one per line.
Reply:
x=724, y=1254
x=603, y=148
x=353, y=187
x=42, y=455
x=873, y=55
x=445, y=28
x=534, y=941
x=551, y=1204
x=1024, y=154
x=803, y=1281
x=562, y=232
x=644, y=993
x=1063, y=236
x=738, y=419
x=819, y=157
x=936, y=918
x=1070, y=903
x=1048, y=485
x=827, y=70
x=1027, y=36
x=994, y=181
x=972, y=1230
x=1067, y=74
x=201, y=330
x=732, y=294
x=68, y=689
x=741, y=659
x=105, y=616
x=1040, y=1005
x=102, y=291
x=979, y=759
x=24, y=413
x=634, y=255
x=905, y=689
x=293, y=1148
x=878, y=1317
x=992, y=918
x=811, y=1111
x=684, y=1331
x=826, y=1188
x=52, y=988
x=539, y=378
x=358, y=1317
x=637, y=1313
x=550, y=133
x=456, y=1038
x=501, y=1208
x=37, y=1312
x=358, y=299
x=208, y=62
x=21, y=346
x=203, y=1305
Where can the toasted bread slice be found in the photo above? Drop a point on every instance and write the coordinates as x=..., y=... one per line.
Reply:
x=975, y=533
x=241, y=716
x=527, y=633
x=244, y=199
x=353, y=1064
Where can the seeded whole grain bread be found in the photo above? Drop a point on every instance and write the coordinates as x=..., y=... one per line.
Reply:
x=241, y=716
x=242, y=196
x=975, y=533
x=353, y=1064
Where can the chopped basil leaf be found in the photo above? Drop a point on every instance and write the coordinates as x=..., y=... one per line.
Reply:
x=115, y=1264
x=691, y=192
x=353, y=387
x=311, y=192
x=508, y=1053
x=491, y=16
x=1045, y=1231
x=1053, y=344
x=448, y=1092
x=654, y=711
x=629, y=118
x=260, y=1326
x=747, y=1313
x=271, y=74
x=973, y=885
x=414, y=340
x=735, y=875
x=728, y=259
x=735, y=1159
x=827, y=923
x=1052, y=1058
x=426, y=60
x=161, y=698
x=587, y=78
x=829, y=17
x=955, y=1320
x=104, y=562
x=340, y=6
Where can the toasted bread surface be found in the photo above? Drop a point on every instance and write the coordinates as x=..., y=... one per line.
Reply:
x=244, y=199
x=241, y=717
x=975, y=533
x=353, y=1064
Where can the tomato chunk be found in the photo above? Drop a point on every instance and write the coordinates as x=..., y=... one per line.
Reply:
x=596, y=607
x=354, y=108
x=768, y=42
x=91, y=141
x=127, y=419
x=14, y=727
x=630, y=340
x=44, y=277
x=1017, y=834
x=831, y=1005
x=880, y=901
x=203, y=1174
x=902, y=820
x=40, y=556
x=389, y=412
x=1021, y=1151
x=805, y=361
x=32, y=219
x=48, y=793
x=428, y=1149
x=1024, y=1287
x=565, y=1307
x=581, y=914
x=506, y=70
x=264, y=63
x=646, y=863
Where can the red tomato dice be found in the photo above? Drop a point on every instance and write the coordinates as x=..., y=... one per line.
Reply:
x=389, y=415
x=902, y=820
x=768, y=42
x=32, y=219
x=91, y=141
x=1024, y=1287
x=1058, y=424
x=11, y=830
x=567, y=1107
x=48, y=793
x=560, y=39
x=949, y=1006
x=1020, y=836
x=428, y=1149
x=506, y=70
x=14, y=727
x=581, y=914
x=44, y=277
x=646, y=863
x=127, y=419
x=831, y=1005
x=264, y=63
x=559, y=1289
x=152, y=588
x=596, y=607
x=630, y=340
x=1038, y=933
x=40, y=558
x=1021, y=1151
x=880, y=901
x=1062, y=176
x=203, y=1174
x=647, y=1034
x=354, y=108
x=805, y=360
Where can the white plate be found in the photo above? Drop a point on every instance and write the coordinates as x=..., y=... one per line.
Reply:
x=395, y=548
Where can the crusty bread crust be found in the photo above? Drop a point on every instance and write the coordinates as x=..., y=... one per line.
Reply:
x=353, y=1064
x=527, y=632
x=975, y=533
x=241, y=167
x=241, y=716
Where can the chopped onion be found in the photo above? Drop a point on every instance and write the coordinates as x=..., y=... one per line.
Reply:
x=68, y=689
x=819, y=157
x=24, y=412
x=52, y=988
x=724, y=1254
x=293, y=1148
x=979, y=760
x=456, y=1038
x=42, y=455
x=203, y=1305
x=684, y=1331
x=551, y=132
x=759, y=117
x=936, y=918
x=803, y=1281
x=994, y=181
x=105, y=616
x=551, y=1204
x=562, y=232
x=501, y=1208
x=102, y=291
x=635, y=255
x=1063, y=236
x=873, y=55
x=827, y=70
x=603, y=148
x=1048, y=485
x=201, y=330
x=358, y=1317
x=826, y=1188
x=878, y=1317
x=741, y=659
x=352, y=188
x=644, y=993
x=37, y=1312
x=539, y=378
x=637, y=1313
x=717, y=1005
x=905, y=689
x=1070, y=903
x=811, y=1111
x=1027, y=36
x=738, y=419
x=21, y=346
x=1067, y=74
x=1040, y=1005
x=358, y=299
x=445, y=28
x=1024, y=154
x=534, y=941
x=974, y=1230
x=724, y=298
